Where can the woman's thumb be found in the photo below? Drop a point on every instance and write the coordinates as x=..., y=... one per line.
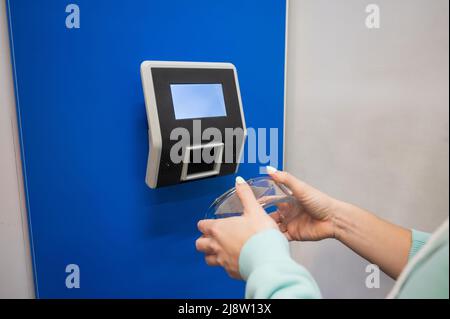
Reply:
x=298, y=188
x=245, y=194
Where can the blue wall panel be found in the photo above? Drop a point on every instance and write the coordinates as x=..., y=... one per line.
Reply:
x=84, y=141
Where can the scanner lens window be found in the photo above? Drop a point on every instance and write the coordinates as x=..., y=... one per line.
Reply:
x=199, y=166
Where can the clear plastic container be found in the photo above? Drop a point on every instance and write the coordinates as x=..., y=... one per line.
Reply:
x=267, y=192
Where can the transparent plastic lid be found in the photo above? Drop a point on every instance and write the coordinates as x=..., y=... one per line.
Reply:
x=267, y=192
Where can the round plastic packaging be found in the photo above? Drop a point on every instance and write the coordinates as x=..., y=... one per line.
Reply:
x=267, y=192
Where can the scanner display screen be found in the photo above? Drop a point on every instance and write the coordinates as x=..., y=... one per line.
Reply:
x=192, y=101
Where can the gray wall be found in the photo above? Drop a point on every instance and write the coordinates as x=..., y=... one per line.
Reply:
x=367, y=120
x=15, y=261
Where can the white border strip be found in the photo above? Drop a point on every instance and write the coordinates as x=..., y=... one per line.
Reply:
x=21, y=167
x=285, y=80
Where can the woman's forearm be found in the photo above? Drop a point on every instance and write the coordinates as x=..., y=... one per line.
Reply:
x=265, y=263
x=374, y=239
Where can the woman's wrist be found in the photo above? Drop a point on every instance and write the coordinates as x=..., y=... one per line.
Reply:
x=340, y=219
x=374, y=239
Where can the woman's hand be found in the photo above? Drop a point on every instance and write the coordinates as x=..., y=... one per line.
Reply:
x=317, y=216
x=223, y=239
x=311, y=217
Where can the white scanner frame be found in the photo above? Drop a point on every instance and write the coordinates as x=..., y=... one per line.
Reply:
x=154, y=132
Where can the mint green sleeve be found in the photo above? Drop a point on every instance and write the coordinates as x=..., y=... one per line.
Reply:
x=418, y=240
x=270, y=272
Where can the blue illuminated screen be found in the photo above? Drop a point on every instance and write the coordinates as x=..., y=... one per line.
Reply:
x=198, y=100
